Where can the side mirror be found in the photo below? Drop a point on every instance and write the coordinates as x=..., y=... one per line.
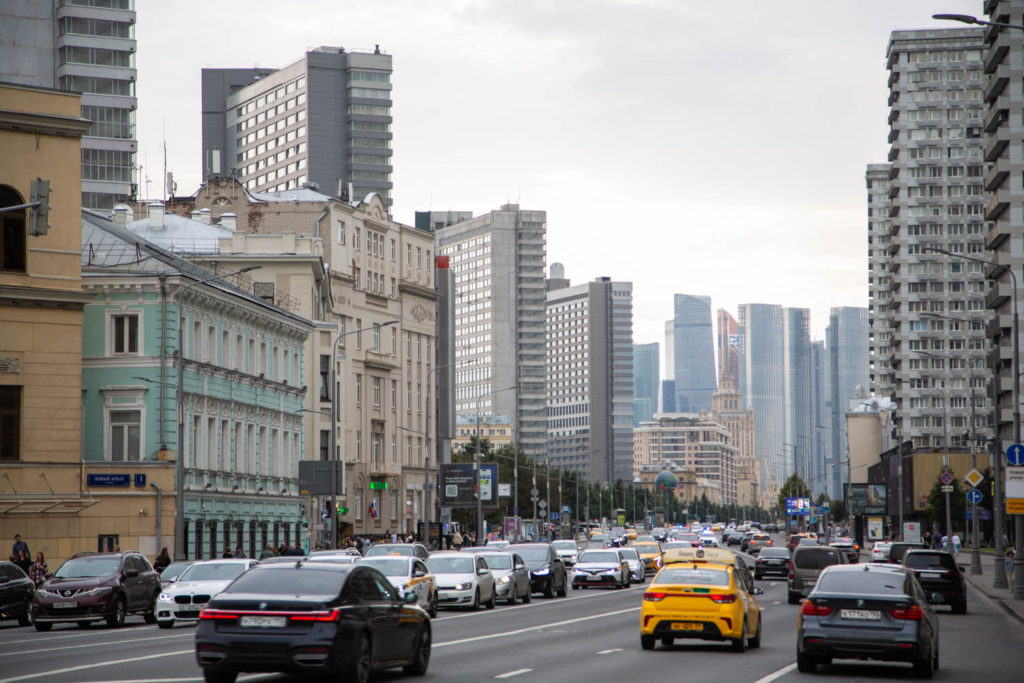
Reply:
x=418, y=573
x=483, y=571
x=962, y=569
x=410, y=598
x=757, y=590
x=520, y=566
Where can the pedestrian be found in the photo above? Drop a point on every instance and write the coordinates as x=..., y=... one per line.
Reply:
x=239, y=554
x=38, y=571
x=266, y=552
x=162, y=560
x=457, y=540
x=1008, y=568
x=24, y=561
x=227, y=554
x=956, y=544
x=18, y=545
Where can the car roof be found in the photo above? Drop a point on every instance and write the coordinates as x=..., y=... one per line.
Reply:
x=308, y=566
x=226, y=560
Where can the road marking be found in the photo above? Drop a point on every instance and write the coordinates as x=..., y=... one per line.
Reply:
x=777, y=602
x=777, y=674
x=106, y=642
x=80, y=633
x=608, y=652
x=510, y=674
x=529, y=629
x=538, y=603
x=91, y=665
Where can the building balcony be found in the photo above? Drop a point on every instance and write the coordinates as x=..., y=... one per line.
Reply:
x=995, y=207
x=894, y=114
x=995, y=118
x=894, y=154
x=995, y=147
x=997, y=174
x=998, y=295
x=990, y=6
x=995, y=88
x=995, y=237
x=894, y=172
x=894, y=189
x=894, y=133
x=894, y=97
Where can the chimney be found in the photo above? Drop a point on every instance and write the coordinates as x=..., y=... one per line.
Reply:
x=194, y=215
x=156, y=216
x=204, y=216
x=228, y=221
x=121, y=216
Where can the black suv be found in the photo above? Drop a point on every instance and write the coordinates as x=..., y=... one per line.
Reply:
x=98, y=587
x=547, y=571
x=15, y=593
x=940, y=577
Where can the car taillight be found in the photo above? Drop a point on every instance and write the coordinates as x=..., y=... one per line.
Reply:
x=332, y=615
x=912, y=613
x=812, y=610
x=792, y=571
x=723, y=598
x=208, y=613
x=654, y=597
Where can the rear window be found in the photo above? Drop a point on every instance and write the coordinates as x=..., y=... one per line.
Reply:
x=702, y=577
x=221, y=571
x=762, y=537
x=862, y=583
x=289, y=581
x=403, y=550
x=598, y=556
x=389, y=567
x=629, y=554
x=497, y=561
x=451, y=565
x=815, y=559
x=929, y=561
x=775, y=552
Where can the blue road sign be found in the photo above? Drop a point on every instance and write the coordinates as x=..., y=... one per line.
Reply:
x=1015, y=455
x=946, y=478
x=974, y=496
x=566, y=509
x=554, y=516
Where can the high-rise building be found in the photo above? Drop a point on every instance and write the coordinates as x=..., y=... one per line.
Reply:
x=590, y=377
x=775, y=383
x=88, y=47
x=727, y=345
x=847, y=351
x=498, y=260
x=646, y=382
x=325, y=119
x=822, y=455
x=689, y=350
x=929, y=331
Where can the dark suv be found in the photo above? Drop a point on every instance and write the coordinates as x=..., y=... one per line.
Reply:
x=98, y=587
x=940, y=577
x=15, y=593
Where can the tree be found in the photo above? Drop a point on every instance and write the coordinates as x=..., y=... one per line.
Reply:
x=794, y=487
x=935, y=508
x=837, y=510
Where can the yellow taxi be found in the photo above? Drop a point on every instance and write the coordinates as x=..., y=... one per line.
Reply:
x=698, y=555
x=650, y=554
x=702, y=601
x=631, y=534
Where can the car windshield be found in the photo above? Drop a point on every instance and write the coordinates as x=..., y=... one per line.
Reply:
x=88, y=567
x=219, y=571
x=941, y=561
x=646, y=547
x=676, y=544
x=405, y=551
x=565, y=545
x=816, y=559
x=451, y=565
x=389, y=566
x=599, y=556
x=861, y=582
x=703, y=577
x=174, y=570
x=290, y=581
x=629, y=554
x=536, y=554
x=497, y=561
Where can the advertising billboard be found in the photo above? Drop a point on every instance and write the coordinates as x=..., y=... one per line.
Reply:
x=798, y=506
x=866, y=499
x=458, y=488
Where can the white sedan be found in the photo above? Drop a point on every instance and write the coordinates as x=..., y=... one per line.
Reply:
x=183, y=599
x=408, y=575
x=463, y=579
x=880, y=551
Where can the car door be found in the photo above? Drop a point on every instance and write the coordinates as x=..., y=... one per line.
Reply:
x=423, y=583
x=557, y=568
x=520, y=575
x=133, y=582
x=746, y=592
x=379, y=605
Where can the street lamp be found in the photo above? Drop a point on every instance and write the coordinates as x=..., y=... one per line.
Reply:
x=179, y=488
x=968, y=19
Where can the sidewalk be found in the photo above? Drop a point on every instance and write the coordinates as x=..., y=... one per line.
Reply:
x=983, y=582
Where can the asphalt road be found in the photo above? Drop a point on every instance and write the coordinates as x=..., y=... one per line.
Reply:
x=591, y=635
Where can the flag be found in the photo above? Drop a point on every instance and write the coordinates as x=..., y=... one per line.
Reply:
x=373, y=509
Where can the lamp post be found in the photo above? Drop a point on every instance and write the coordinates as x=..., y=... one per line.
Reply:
x=334, y=420
x=179, y=503
x=1018, y=562
x=426, y=455
x=968, y=19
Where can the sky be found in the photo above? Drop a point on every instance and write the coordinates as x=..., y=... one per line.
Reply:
x=685, y=146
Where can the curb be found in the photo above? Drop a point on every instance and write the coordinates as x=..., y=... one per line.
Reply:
x=998, y=600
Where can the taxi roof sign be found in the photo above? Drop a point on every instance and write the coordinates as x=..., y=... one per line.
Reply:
x=699, y=555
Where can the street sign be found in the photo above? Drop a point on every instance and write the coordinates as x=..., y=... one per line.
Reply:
x=566, y=509
x=542, y=504
x=504, y=490
x=554, y=516
x=825, y=506
x=947, y=489
x=534, y=492
x=974, y=496
x=946, y=478
x=1015, y=455
x=974, y=477
x=1015, y=490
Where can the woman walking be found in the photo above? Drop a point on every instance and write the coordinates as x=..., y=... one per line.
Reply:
x=38, y=571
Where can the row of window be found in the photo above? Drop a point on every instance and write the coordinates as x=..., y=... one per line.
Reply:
x=939, y=56
x=269, y=97
x=107, y=164
x=110, y=122
x=95, y=27
x=97, y=85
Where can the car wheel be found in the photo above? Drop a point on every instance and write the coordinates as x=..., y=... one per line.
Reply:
x=511, y=595
x=564, y=589
x=116, y=619
x=433, y=606
x=794, y=598
x=925, y=667
x=960, y=606
x=43, y=626
x=150, y=615
x=492, y=602
x=549, y=589
x=358, y=668
x=806, y=663
x=527, y=596
x=217, y=676
x=667, y=641
x=25, y=619
x=755, y=642
x=575, y=587
x=165, y=624
x=476, y=600
x=421, y=658
x=647, y=642
x=740, y=644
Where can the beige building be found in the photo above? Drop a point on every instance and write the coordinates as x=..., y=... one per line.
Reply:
x=497, y=429
x=867, y=439
x=695, y=443
x=688, y=485
x=726, y=408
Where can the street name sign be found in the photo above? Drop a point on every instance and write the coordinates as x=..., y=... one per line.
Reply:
x=947, y=489
x=1015, y=490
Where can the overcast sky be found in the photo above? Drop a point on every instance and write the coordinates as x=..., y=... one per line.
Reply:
x=686, y=146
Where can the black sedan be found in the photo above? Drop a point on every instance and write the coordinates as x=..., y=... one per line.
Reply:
x=939, y=576
x=319, y=618
x=867, y=612
x=16, y=591
x=772, y=562
x=547, y=571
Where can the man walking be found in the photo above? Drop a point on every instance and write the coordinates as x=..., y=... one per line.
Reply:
x=19, y=545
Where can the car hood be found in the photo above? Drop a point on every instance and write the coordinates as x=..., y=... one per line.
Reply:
x=92, y=582
x=534, y=566
x=197, y=587
x=455, y=578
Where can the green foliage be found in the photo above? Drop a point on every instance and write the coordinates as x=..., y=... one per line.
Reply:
x=837, y=510
x=794, y=487
x=935, y=508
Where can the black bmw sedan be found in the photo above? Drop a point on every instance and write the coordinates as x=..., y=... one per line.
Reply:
x=317, y=618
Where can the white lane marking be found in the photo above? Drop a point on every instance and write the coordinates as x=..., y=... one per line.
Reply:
x=555, y=602
x=608, y=652
x=104, y=643
x=777, y=674
x=91, y=665
x=528, y=629
x=243, y=677
x=79, y=633
x=777, y=602
x=510, y=674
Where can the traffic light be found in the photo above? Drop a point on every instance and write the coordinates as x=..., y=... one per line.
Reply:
x=39, y=216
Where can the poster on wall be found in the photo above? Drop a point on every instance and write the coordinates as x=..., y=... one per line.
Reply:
x=876, y=528
x=866, y=499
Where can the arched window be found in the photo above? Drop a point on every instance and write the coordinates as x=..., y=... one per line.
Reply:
x=12, y=231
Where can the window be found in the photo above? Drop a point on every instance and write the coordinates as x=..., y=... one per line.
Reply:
x=325, y=377
x=376, y=391
x=125, y=433
x=13, y=238
x=355, y=238
x=125, y=334
x=10, y=422
x=359, y=388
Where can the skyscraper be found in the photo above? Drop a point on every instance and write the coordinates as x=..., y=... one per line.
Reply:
x=929, y=330
x=690, y=351
x=88, y=47
x=324, y=119
x=727, y=343
x=498, y=260
x=590, y=377
x=847, y=349
x=646, y=382
x=822, y=455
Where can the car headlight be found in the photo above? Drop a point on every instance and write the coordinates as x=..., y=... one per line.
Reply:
x=99, y=590
x=464, y=586
x=400, y=589
x=165, y=597
x=503, y=580
x=542, y=572
x=607, y=571
x=42, y=592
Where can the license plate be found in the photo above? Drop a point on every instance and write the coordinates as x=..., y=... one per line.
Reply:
x=594, y=578
x=861, y=614
x=66, y=605
x=687, y=626
x=262, y=622
x=189, y=608
x=931, y=575
x=443, y=595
